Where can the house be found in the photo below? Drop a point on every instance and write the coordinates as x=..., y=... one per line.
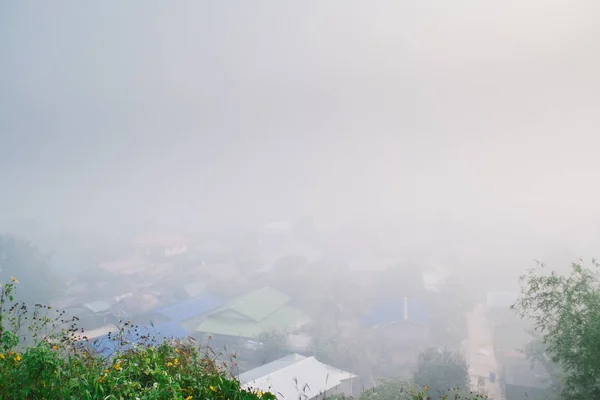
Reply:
x=257, y=312
x=391, y=311
x=402, y=324
x=112, y=342
x=161, y=245
x=297, y=376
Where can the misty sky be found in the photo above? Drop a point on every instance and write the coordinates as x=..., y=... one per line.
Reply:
x=479, y=113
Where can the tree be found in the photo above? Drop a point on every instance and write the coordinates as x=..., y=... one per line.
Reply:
x=537, y=353
x=20, y=259
x=565, y=311
x=274, y=345
x=441, y=370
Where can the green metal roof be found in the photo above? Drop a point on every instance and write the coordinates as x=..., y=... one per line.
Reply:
x=281, y=320
x=259, y=304
x=251, y=314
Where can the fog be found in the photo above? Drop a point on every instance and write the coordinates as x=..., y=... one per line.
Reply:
x=460, y=133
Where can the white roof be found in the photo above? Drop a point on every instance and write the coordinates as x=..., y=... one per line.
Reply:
x=294, y=376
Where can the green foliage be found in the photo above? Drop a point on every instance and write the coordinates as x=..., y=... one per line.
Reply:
x=442, y=370
x=56, y=365
x=274, y=345
x=397, y=389
x=565, y=311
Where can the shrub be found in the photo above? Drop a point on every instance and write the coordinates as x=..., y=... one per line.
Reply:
x=43, y=356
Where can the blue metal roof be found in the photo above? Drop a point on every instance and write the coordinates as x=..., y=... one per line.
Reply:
x=388, y=311
x=108, y=345
x=191, y=308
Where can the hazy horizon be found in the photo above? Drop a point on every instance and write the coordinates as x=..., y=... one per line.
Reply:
x=470, y=117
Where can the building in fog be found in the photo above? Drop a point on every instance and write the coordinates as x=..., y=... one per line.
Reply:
x=297, y=376
x=248, y=316
x=403, y=324
x=161, y=245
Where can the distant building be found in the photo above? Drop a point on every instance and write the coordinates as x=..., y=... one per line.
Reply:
x=403, y=325
x=163, y=245
x=257, y=312
x=300, y=377
x=390, y=311
x=109, y=344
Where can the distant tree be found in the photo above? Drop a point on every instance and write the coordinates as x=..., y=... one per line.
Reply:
x=441, y=370
x=537, y=353
x=22, y=260
x=274, y=345
x=565, y=311
x=391, y=389
x=398, y=389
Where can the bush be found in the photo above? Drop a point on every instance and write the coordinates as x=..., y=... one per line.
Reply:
x=43, y=357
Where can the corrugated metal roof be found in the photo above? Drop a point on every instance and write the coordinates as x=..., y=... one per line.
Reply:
x=290, y=377
x=191, y=308
x=259, y=304
x=284, y=319
x=270, y=368
x=107, y=345
x=253, y=313
x=404, y=309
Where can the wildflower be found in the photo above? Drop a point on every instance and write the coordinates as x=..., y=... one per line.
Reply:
x=117, y=366
x=169, y=364
x=259, y=393
x=211, y=387
x=14, y=279
x=189, y=398
x=176, y=361
x=106, y=371
x=101, y=379
x=426, y=388
x=18, y=357
x=176, y=350
x=1, y=356
x=55, y=347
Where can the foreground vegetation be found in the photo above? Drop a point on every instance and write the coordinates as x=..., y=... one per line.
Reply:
x=43, y=356
x=565, y=312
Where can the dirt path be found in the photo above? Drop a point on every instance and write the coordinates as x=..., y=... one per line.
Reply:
x=479, y=350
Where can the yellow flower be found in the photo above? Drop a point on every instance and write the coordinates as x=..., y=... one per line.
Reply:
x=189, y=398
x=14, y=279
x=1, y=356
x=259, y=393
x=169, y=364
x=106, y=371
x=55, y=347
x=212, y=388
x=176, y=350
x=426, y=388
x=176, y=361
x=101, y=379
x=18, y=357
x=118, y=367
